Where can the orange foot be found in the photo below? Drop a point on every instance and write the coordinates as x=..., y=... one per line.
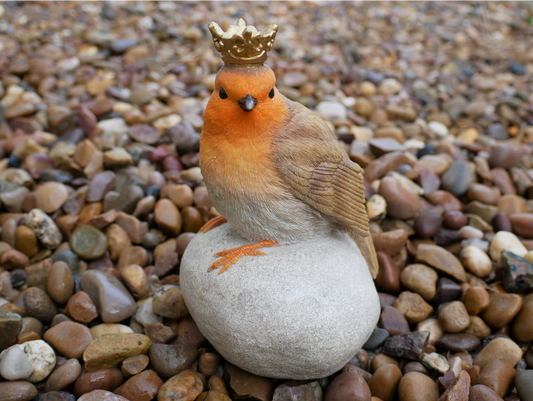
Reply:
x=213, y=223
x=232, y=256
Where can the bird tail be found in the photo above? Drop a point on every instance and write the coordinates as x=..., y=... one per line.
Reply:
x=366, y=246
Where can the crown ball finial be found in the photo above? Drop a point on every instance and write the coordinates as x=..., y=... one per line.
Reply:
x=242, y=44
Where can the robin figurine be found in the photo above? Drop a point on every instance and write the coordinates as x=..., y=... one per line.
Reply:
x=273, y=168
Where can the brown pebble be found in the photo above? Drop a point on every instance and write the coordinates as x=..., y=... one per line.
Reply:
x=17, y=391
x=393, y=321
x=69, y=338
x=159, y=333
x=217, y=383
x=390, y=242
x=13, y=259
x=81, y=308
x=388, y=278
x=39, y=305
x=134, y=365
x=136, y=281
x=454, y=220
x=401, y=203
x=414, y=367
x=415, y=386
x=502, y=309
x=60, y=283
x=453, y=317
x=103, y=379
x=186, y=386
x=498, y=376
x=63, y=376
x=167, y=217
x=479, y=392
x=348, y=386
x=476, y=300
x=421, y=279
x=413, y=307
x=141, y=387
x=523, y=324
x=26, y=241
x=428, y=223
x=384, y=382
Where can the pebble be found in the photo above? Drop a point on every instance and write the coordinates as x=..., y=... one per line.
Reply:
x=432, y=326
x=112, y=300
x=14, y=365
x=103, y=379
x=413, y=307
x=502, y=309
x=416, y=386
x=476, y=261
x=188, y=385
x=69, y=338
x=420, y=279
x=290, y=392
x=522, y=224
x=50, y=196
x=168, y=302
x=453, y=317
x=60, y=283
x=134, y=365
x=503, y=349
x=385, y=381
x=10, y=325
x=63, y=376
x=498, y=376
x=39, y=305
x=101, y=395
x=388, y=278
x=13, y=259
x=44, y=228
x=110, y=350
x=407, y=345
x=523, y=324
x=169, y=360
x=524, y=385
x=348, y=386
x=476, y=300
x=376, y=339
x=26, y=241
x=167, y=217
x=109, y=328
x=101, y=184
x=143, y=386
x=390, y=242
x=459, y=342
x=393, y=321
x=17, y=390
x=401, y=203
x=81, y=308
x=457, y=178
x=442, y=260
x=88, y=242
x=479, y=392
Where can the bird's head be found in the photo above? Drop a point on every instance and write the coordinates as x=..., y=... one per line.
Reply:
x=246, y=96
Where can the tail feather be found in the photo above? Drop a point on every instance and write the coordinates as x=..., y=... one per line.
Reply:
x=366, y=246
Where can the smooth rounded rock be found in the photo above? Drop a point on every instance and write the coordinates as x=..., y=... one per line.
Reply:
x=141, y=387
x=103, y=379
x=421, y=279
x=69, y=338
x=101, y=395
x=88, y=242
x=185, y=386
x=214, y=301
x=60, y=283
x=17, y=391
x=41, y=357
x=480, y=392
x=385, y=381
x=63, y=376
x=415, y=386
x=503, y=349
x=348, y=386
x=50, y=196
x=39, y=305
x=524, y=385
x=502, y=309
x=14, y=365
x=169, y=360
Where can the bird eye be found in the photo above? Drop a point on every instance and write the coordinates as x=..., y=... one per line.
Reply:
x=271, y=94
x=222, y=93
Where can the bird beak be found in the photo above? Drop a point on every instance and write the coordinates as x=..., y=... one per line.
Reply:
x=248, y=102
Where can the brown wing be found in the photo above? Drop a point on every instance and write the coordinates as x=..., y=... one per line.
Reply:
x=318, y=172
x=333, y=187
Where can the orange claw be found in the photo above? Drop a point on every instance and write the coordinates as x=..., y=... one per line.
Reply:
x=213, y=223
x=232, y=256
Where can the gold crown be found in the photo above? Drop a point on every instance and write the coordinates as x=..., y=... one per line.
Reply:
x=242, y=44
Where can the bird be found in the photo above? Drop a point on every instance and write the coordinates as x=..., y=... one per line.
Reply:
x=273, y=168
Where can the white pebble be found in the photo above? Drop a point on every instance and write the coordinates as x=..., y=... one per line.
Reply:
x=476, y=261
x=468, y=232
x=506, y=241
x=14, y=365
x=438, y=128
x=145, y=314
x=332, y=110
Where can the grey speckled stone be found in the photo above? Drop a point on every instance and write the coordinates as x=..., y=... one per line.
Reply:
x=300, y=312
